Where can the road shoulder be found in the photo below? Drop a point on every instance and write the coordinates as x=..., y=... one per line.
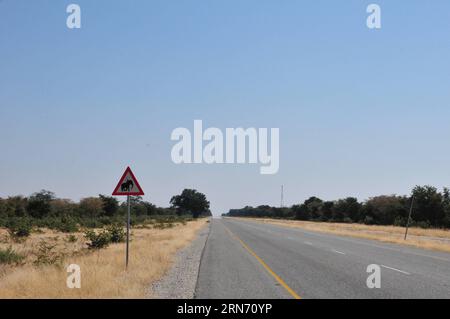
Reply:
x=181, y=280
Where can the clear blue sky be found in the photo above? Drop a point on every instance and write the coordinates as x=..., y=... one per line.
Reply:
x=360, y=112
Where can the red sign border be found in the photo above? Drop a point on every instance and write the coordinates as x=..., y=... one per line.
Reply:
x=118, y=193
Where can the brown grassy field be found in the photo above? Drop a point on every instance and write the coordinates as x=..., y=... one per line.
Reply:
x=434, y=239
x=103, y=272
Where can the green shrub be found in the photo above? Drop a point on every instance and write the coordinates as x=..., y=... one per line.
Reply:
x=91, y=223
x=347, y=220
x=116, y=233
x=3, y=222
x=9, y=256
x=72, y=238
x=421, y=224
x=163, y=225
x=368, y=220
x=105, y=220
x=400, y=221
x=19, y=227
x=98, y=241
x=67, y=225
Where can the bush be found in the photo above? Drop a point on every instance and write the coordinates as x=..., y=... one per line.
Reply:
x=19, y=227
x=3, y=222
x=421, y=224
x=99, y=222
x=72, y=238
x=98, y=241
x=368, y=220
x=400, y=221
x=91, y=223
x=46, y=254
x=91, y=207
x=9, y=256
x=67, y=225
x=163, y=225
x=347, y=220
x=39, y=204
x=105, y=220
x=116, y=233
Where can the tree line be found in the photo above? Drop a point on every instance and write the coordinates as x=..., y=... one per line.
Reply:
x=431, y=208
x=45, y=209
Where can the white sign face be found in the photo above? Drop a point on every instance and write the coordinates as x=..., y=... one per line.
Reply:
x=128, y=185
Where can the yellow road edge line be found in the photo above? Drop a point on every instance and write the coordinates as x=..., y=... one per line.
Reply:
x=269, y=270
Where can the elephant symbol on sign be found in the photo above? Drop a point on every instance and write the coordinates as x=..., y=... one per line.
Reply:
x=127, y=186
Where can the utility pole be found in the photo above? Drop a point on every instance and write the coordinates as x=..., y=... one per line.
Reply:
x=409, y=216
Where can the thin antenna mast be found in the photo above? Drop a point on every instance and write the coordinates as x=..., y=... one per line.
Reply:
x=282, y=197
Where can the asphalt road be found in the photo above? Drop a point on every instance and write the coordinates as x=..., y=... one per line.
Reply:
x=247, y=259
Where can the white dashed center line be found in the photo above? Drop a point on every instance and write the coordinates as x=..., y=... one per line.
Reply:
x=338, y=252
x=403, y=272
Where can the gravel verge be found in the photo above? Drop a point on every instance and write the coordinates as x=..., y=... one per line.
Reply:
x=180, y=281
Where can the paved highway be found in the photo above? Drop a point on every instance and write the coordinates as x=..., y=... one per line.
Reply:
x=248, y=259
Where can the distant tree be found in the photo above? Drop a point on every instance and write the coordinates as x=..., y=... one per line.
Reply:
x=2, y=206
x=136, y=200
x=301, y=212
x=150, y=209
x=139, y=207
x=347, y=210
x=110, y=205
x=39, y=204
x=165, y=211
x=190, y=201
x=430, y=208
x=327, y=210
x=91, y=207
x=3, y=212
x=314, y=206
x=16, y=206
x=385, y=210
x=446, y=203
x=62, y=207
x=309, y=210
x=446, y=207
x=446, y=196
x=428, y=205
x=281, y=212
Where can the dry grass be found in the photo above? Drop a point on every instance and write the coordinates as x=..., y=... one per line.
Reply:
x=29, y=247
x=434, y=239
x=102, y=272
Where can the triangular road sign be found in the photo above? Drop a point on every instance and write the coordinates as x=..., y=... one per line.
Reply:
x=128, y=185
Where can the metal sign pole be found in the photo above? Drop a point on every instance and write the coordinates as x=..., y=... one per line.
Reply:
x=128, y=230
x=409, y=216
x=128, y=185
